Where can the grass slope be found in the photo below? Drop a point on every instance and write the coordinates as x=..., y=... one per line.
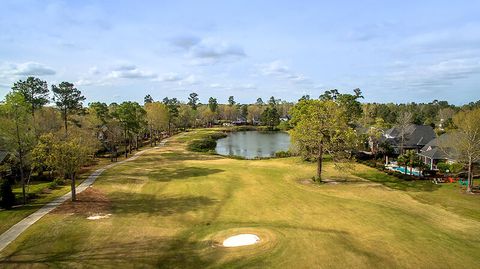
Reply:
x=170, y=209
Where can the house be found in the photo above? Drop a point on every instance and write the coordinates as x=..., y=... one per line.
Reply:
x=284, y=118
x=415, y=137
x=437, y=151
x=240, y=121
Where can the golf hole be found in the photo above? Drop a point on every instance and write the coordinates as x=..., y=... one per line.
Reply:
x=241, y=240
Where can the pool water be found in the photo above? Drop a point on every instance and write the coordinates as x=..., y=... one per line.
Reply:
x=402, y=169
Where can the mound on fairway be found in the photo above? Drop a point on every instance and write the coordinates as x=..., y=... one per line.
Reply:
x=241, y=240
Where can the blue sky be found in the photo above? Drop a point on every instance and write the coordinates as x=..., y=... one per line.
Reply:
x=395, y=51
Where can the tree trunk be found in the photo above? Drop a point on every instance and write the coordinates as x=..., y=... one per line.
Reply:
x=151, y=137
x=130, y=145
x=33, y=121
x=125, y=141
x=470, y=176
x=22, y=180
x=74, y=191
x=65, y=121
x=20, y=155
x=319, y=162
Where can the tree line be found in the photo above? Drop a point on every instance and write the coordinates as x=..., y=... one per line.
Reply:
x=55, y=137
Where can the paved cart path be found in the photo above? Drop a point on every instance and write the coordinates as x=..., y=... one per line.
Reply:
x=16, y=230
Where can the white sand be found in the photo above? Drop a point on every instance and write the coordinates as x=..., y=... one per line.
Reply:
x=97, y=217
x=241, y=240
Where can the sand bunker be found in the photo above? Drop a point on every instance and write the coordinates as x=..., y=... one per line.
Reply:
x=97, y=217
x=241, y=240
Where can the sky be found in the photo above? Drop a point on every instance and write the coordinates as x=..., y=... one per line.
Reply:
x=394, y=51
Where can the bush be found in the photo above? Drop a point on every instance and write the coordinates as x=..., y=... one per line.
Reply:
x=56, y=182
x=202, y=145
x=216, y=136
x=207, y=143
x=285, y=126
x=6, y=193
x=283, y=154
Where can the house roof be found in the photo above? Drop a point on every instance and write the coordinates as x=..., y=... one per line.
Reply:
x=438, y=148
x=435, y=153
x=415, y=135
x=437, y=141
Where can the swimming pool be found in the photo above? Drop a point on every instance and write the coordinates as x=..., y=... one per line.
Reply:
x=402, y=169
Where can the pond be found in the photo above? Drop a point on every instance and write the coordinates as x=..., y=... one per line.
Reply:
x=253, y=144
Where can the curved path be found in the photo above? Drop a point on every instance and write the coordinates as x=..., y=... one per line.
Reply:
x=11, y=234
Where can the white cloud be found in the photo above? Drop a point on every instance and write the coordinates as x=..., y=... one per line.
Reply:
x=216, y=86
x=208, y=51
x=274, y=68
x=189, y=80
x=232, y=86
x=129, y=71
x=27, y=69
x=185, y=42
x=247, y=86
x=169, y=77
x=278, y=69
x=84, y=82
x=298, y=78
x=433, y=75
x=93, y=71
x=214, y=50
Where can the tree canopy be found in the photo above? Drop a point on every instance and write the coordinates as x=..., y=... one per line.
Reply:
x=321, y=126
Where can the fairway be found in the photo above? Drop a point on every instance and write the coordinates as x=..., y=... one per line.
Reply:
x=171, y=208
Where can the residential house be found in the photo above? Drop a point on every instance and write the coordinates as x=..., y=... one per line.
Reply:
x=437, y=151
x=415, y=137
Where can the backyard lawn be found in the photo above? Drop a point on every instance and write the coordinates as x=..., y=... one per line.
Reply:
x=172, y=208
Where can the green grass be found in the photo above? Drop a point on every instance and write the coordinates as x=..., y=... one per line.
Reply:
x=41, y=195
x=170, y=207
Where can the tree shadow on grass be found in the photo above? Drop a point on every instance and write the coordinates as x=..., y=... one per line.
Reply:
x=135, y=203
x=166, y=174
x=163, y=174
x=400, y=184
x=158, y=252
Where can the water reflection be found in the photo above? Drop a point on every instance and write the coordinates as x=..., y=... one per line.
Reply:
x=252, y=144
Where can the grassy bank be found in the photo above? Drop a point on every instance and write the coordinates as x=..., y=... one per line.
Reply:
x=171, y=207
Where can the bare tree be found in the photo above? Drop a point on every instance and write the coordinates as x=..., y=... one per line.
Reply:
x=403, y=122
x=464, y=142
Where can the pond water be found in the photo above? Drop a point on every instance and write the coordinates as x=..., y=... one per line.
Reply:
x=253, y=144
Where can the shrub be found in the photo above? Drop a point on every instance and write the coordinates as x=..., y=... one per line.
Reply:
x=216, y=136
x=6, y=193
x=283, y=154
x=56, y=182
x=285, y=126
x=207, y=143
x=202, y=145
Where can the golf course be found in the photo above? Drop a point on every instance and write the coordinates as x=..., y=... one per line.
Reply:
x=172, y=208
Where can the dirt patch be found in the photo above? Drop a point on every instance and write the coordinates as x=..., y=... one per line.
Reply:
x=305, y=181
x=89, y=202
